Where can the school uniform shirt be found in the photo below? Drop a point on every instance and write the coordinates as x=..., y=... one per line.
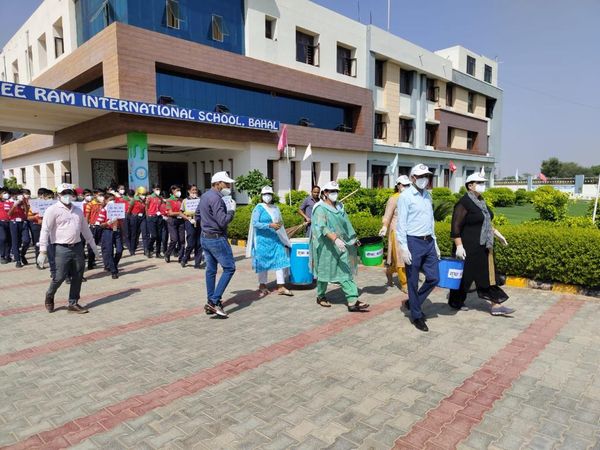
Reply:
x=137, y=207
x=103, y=218
x=64, y=225
x=173, y=204
x=4, y=208
x=153, y=204
x=19, y=213
x=91, y=211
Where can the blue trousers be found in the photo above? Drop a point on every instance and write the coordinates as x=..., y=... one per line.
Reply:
x=35, y=230
x=193, y=244
x=5, y=243
x=19, y=236
x=424, y=259
x=217, y=251
x=112, y=249
x=176, y=230
x=137, y=226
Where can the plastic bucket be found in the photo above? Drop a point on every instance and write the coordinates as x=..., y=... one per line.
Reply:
x=371, y=251
x=451, y=272
x=299, y=269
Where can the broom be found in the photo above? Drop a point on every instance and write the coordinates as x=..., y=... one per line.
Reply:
x=291, y=232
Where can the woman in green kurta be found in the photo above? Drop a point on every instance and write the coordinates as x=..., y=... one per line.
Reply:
x=333, y=249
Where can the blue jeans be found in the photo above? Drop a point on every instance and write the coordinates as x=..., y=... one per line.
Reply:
x=217, y=251
x=424, y=258
x=112, y=249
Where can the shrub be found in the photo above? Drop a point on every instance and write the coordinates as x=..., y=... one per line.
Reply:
x=499, y=197
x=462, y=191
x=522, y=197
x=238, y=228
x=252, y=183
x=442, y=208
x=297, y=198
x=442, y=193
x=550, y=203
x=257, y=199
x=365, y=226
x=499, y=220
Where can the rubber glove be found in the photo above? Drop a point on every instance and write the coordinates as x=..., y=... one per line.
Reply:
x=340, y=245
x=460, y=252
x=383, y=231
x=406, y=256
x=42, y=259
x=96, y=250
x=437, y=251
x=501, y=238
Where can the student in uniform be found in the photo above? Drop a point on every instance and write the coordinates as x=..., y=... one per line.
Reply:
x=5, y=243
x=121, y=197
x=111, y=243
x=137, y=221
x=17, y=215
x=175, y=224
x=34, y=221
x=91, y=209
x=153, y=221
x=192, y=229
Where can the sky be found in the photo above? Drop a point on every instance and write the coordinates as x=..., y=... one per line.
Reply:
x=548, y=54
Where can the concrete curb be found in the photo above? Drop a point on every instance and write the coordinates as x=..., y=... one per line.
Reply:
x=520, y=282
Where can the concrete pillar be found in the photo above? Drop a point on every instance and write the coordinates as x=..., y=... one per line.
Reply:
x=530, y=182
x=31, y=179
x=421, y=112
x=57, y=170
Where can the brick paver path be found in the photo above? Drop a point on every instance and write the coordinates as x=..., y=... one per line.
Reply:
x=147, y=369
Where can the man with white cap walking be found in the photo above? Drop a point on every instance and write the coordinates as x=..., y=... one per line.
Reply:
x=62, y=228
x=416, y=237
x=215, y=210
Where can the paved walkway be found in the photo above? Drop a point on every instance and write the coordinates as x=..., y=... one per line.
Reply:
x=147, y=369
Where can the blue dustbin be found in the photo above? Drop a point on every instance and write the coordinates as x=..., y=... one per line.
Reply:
x=299, y=268
x=451, y=272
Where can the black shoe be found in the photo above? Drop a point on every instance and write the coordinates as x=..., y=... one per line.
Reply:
x=68, y=280
x=183, y=263
x=420, y=324
x=49, y=303
x=24, y=261
x=18, y=264
x=3, y=261
x=114, y=276
x=77, y=309
x=167, y=259
x=90, y=266
x=83, y=279
x=208, y=310
x=358, y=307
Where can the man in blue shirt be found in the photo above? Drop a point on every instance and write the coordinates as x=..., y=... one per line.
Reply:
x=215, y=210
x=416, y=237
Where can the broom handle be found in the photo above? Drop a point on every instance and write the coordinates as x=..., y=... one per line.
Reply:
x=350, y=195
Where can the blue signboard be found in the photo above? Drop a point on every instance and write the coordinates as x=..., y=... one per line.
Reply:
x=58, y=97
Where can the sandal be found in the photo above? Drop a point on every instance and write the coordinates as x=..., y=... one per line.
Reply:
x=358, y=306
x=284, y=291
x=322, y=301
x=263, y=291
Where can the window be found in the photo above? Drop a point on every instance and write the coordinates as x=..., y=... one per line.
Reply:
x=346, y=65
x=379, y=65
x=59, y=47
x=378, y=176
x=30, y=61
x=42, y=52
x=471, y=138
x=471, y=103
x=269, y=27
x=489, y=107
x=104, y=15
x=406, y=82
x=216, y=25
x=333, y=171
x=307, y=51
x=173, y=16
x=15, y=71
x=270, y=169
x=449, y=95
x=23, y=176
x=450, y=137
x=487, y=74
x=431, y=134
x=351, y=170
x=293, y=172
x=380, y=131
x=471, y=65
x=315, y=173
x=433, y=91
x=406, y=130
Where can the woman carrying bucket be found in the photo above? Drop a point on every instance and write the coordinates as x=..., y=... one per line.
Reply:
x=473, y=236
x=394, y=262
x=267, y=242
x=333, y=249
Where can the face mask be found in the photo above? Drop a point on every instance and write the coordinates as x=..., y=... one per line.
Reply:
x=101, y=198
x=422, y=183
x=156, y=191
x=226, y=192
x=66, y=199
x=333, y=196
x=267, y=198
x=142, y=197
x=121, y=191
x=26, y=196
x=480, y=188
x=20, y=197
x=5, y=196
x=178, y=194
x=88, y=198
x=193, y=195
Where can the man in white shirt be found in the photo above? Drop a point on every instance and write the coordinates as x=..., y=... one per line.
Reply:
x=62, y=228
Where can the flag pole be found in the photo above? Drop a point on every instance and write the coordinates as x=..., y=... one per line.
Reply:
x=596, y=202
x=287, y=152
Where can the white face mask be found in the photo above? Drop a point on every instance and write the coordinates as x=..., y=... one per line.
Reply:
x=66, y=199
x=226, y=192
x=267, y=198
x=20, y=198
x=5, y=196
x=333, y=196
x=100, y=198
x=122, y=191
x=88, y=198
x=422, y=183
x=193, y=195
x=178, y=194
x=142, y=197
x=480, y=188
x=156, y=191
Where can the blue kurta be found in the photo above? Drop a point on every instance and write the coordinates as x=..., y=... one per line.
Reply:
x=268, y=252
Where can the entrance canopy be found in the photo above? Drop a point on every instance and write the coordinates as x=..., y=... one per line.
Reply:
x=40, y=110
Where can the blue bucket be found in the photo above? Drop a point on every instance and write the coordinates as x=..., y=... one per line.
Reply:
x=451, y=272
x=299, y=268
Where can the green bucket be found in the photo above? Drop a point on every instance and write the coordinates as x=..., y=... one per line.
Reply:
x=371, y=251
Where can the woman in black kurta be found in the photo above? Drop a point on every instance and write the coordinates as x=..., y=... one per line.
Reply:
x=473, y=236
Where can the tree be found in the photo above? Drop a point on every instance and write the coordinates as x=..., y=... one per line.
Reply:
x=11, y=183
x=551, y=167
x=252, y=183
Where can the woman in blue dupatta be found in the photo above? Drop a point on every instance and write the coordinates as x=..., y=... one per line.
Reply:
x=268, y=243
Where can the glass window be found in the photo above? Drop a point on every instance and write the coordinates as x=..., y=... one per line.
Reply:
x=269, y=27
x=487, y=74
x=406, y=130
x=449, y=95
x=406, y=82
x=471, y=138
x=379, y=65
x=433, y=91
x=471, y=102
x=489, y=107
x=471, y=65
x=173, y=16
x=450, y=137
x=380, y=126
x=217, y=28
x=346, y=65
x=431, y=134
x=306, y=49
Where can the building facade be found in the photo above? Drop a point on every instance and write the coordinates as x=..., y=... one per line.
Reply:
x=370, y=103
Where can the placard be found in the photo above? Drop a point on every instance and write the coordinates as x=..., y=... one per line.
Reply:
x=40, y=206
x=115, y=211
x=78, y=204
x=191, y=204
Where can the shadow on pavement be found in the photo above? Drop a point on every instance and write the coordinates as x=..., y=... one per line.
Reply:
x=112, y=298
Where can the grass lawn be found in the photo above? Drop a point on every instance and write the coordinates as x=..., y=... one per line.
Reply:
x=518, y=214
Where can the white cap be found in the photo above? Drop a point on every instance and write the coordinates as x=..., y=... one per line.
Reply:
x=221, y=176
x=403, y=179
x=419, y=169
x=477, y=177
x=266, y=190
x=65, y=187
x=331, y=186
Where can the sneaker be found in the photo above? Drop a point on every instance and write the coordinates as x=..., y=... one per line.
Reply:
x=18, y=264
x=208, y=310
x=216, y=309
x=77, y=309
x=114, y=276
x=502, y=311
x=167, y=258
x=464, y=308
